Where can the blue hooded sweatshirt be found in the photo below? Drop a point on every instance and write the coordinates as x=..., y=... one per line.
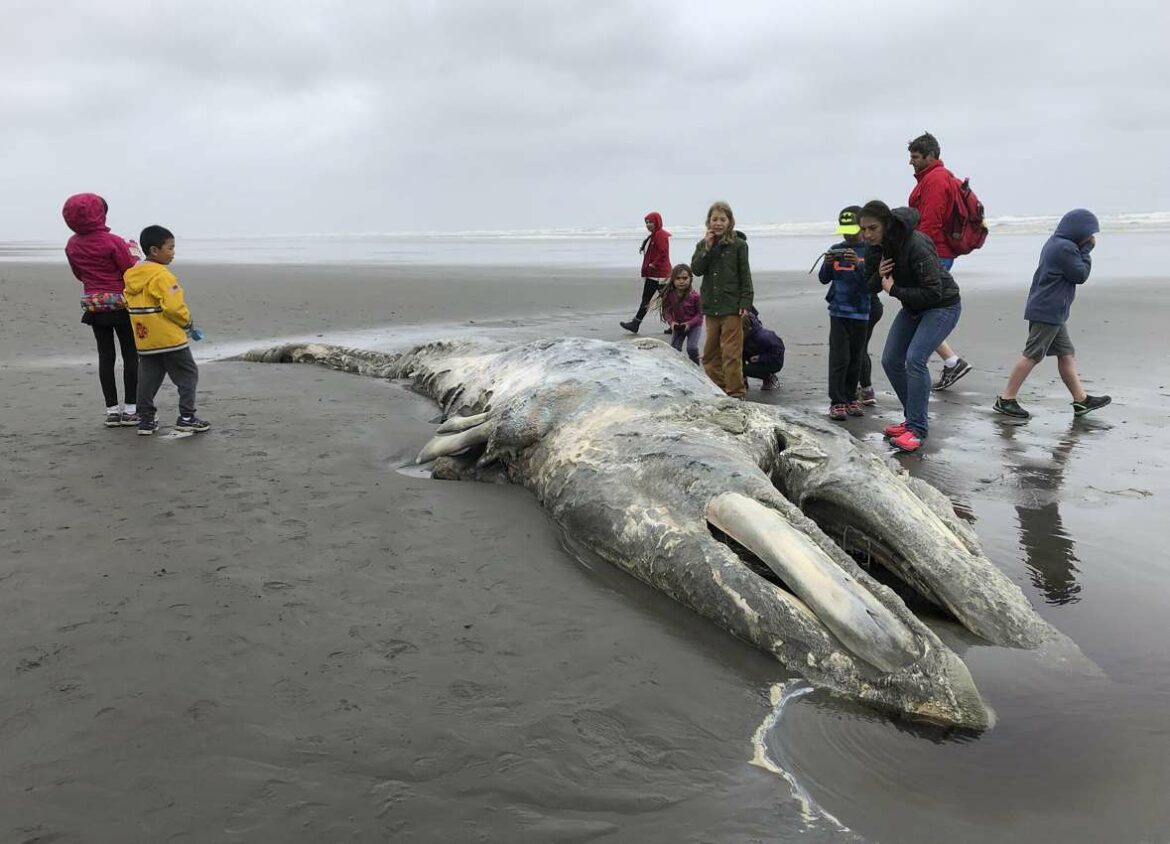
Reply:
x=1064, y=264
x=848, y=295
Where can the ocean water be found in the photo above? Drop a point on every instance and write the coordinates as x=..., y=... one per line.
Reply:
x=1137, y=240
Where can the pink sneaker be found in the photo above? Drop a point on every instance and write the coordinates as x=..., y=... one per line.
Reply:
x=908, y=441
x=837, y=412
x=895, y=430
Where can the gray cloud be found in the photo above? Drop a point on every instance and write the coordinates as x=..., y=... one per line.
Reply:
x=249, y=118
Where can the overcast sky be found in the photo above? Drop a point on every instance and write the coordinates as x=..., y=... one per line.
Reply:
x=222, y=118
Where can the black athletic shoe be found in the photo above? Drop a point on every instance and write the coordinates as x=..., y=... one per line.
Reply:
x=192, y=424
x=147, y=427
x=951, y=374
x=1010, y=407
x=1091, y=403
x=113, y=419
x=632, y=325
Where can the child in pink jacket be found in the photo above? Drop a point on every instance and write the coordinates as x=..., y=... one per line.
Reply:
x=682, y=311
x=98, y=258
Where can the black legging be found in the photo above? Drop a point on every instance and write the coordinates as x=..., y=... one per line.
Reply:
x=104, y=326
x=649, y=288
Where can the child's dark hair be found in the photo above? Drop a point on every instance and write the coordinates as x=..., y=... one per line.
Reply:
x=153, y=236
x=925, y=144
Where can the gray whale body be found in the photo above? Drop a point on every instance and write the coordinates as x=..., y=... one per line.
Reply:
x=726, y=506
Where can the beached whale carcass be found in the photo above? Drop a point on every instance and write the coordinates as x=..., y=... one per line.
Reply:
x=726, y=506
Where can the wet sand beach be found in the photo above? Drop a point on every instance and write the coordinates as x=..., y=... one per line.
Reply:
x=276, y=632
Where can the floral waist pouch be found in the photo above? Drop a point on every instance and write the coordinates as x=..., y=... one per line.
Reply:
x=100, y=303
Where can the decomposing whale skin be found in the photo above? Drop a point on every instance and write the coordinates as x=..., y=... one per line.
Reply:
x=644, y=462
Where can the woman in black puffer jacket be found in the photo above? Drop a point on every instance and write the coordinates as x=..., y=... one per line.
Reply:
x=903, y=262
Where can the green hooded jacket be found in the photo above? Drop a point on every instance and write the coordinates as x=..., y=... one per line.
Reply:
x=727, y=278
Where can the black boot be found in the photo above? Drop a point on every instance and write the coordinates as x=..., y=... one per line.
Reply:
x=632, y=326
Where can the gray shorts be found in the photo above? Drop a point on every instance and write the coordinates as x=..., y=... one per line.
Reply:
x=1044, y=338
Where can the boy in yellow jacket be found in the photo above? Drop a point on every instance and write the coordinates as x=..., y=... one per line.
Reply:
x=162, y=325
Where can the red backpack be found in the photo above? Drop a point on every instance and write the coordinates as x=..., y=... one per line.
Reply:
x=965, y=232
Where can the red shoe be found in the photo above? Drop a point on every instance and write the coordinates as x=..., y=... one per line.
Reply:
x=837, y=412
x=908, y=441
x=895, y=430
x=854, y=409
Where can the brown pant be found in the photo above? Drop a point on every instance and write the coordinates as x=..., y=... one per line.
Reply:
x=723, y=354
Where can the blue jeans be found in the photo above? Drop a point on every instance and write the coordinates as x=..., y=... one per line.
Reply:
x=909, y=345
x=691, y=335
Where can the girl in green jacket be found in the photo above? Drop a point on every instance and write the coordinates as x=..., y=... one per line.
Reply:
x=721, y=258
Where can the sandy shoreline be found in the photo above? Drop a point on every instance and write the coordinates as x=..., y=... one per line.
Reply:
x=268, y=633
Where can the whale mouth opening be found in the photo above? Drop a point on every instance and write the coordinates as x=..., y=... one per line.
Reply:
x=749, y=558
x=874, y=556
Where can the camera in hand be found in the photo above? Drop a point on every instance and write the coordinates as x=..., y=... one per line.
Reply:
x=842, y=256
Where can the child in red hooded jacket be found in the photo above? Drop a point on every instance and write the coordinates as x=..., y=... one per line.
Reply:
x=98, y=258
x=655, y=267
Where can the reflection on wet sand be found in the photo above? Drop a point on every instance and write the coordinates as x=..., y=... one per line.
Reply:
x=1049, y=548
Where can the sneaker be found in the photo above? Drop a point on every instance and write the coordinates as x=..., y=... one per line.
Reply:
x=895, y=430
x=1089, y=404
x=191, y=423
x=866, y=396
x=837, y=412
x=951, y=374
x=667, y=331
x=908, y=441
x=113, y=419
x=147, y=427
x=854, y=409
x=129, y=420
x=632, y=325
x=771, y=382
x=1010, y=407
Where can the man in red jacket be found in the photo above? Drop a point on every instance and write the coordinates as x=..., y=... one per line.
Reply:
x=933, y=198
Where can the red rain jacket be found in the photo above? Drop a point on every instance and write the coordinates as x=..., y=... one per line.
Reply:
x=97, y=257
x=656, y=250
x=934, y=198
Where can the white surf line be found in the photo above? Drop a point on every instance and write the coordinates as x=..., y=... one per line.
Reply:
x=781, y=695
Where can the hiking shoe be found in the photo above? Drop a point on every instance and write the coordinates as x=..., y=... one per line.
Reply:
x=147, y=427
x=1010, y=407
x=191, y=423
x=908, y=441
x=113, y=419
x=854, y=409
x=128, y=419
x=895, y=430
x=866, y=396
x=771, y=382
x=951, y=374
x=631, y=325
x=837, y=412
x=1090, y=403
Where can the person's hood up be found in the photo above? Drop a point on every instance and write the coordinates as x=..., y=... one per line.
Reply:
x=1077, y=225
x=906, y=216
x=656, y=218
x=85, y=213
x=753, y=322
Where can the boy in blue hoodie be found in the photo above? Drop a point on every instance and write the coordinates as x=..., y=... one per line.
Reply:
x=848, y=297
x=1064, y=265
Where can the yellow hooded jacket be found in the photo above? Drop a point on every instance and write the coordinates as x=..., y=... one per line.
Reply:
x=157, y=310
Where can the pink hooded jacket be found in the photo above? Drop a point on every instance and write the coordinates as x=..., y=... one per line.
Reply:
x=97, y=257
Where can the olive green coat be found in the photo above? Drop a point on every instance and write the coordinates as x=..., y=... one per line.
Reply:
x=727, y=278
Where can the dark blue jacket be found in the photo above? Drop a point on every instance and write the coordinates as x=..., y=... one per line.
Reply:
x=848, y=295
x=1064, y=264
x=758, y=340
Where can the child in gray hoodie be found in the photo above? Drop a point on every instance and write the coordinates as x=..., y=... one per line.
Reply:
x=1064, y=265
